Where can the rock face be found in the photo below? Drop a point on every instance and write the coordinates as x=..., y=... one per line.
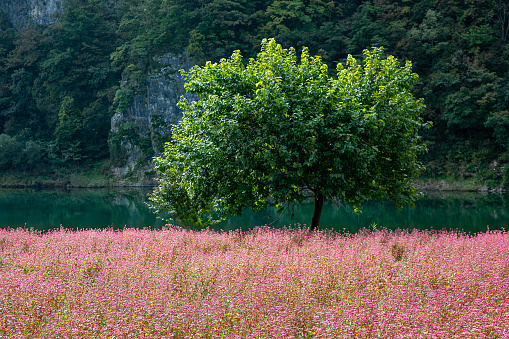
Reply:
x=22, y=13
x=140, y=132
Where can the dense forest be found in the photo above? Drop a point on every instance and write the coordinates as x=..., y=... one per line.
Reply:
x=60, y=84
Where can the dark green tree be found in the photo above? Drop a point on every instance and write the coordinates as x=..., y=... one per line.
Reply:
x=280, y=130
x=19, y=110
x=225, y=26
x=315, y=24
x=11, y=155
x=68, y=131
x=78, y=66
x=6, y=45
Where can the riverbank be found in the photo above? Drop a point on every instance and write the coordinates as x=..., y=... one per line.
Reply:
x=100, y=180
x=263, y=283
x=456, y=185
x=71, y=180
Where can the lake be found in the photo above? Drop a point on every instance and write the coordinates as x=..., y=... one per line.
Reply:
x=118, y=208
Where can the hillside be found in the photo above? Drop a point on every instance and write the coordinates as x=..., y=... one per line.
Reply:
x=76, y=75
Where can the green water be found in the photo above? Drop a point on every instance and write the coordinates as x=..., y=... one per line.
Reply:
x=100, y=208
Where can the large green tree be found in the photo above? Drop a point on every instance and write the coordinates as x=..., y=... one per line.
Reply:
x=280, y=130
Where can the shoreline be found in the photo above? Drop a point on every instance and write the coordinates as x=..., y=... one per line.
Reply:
x=451, y=185
x=84, y=181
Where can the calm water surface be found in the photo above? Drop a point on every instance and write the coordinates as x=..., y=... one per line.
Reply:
x=100, y=208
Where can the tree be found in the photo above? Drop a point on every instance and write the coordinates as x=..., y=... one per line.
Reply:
x=67, y=132
x=10, y=152
x=277, y=131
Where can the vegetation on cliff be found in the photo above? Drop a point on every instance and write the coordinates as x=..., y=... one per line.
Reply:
x=59, y=84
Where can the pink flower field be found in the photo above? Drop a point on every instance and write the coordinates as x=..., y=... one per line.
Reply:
x=175, y=283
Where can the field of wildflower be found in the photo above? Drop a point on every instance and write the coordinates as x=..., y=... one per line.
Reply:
x=265, y=283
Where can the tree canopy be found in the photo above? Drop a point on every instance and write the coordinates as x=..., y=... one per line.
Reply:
x=281, y=129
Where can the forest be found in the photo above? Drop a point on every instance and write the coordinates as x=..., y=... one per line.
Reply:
x=60, y=84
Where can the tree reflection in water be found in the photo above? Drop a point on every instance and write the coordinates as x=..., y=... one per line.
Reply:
x=119, y=208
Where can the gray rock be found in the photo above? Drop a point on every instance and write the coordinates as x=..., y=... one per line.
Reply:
x=23, y=13
x=152, y=112
x=147, y=122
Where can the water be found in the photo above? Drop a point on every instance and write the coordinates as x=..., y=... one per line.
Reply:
x=77, y=208
x=119, y=208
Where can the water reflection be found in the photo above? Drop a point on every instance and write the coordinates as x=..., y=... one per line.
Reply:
x=119, y=208
x=468, y=211
x=77, y=208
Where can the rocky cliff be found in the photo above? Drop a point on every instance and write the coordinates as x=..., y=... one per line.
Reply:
x=139, y=133
x=23, y=13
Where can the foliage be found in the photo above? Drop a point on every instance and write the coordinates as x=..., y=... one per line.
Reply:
x=499, y=121
x=10, y=152
x=59, y=84
x=505, y=177
x=100, y=53
x=277, y=129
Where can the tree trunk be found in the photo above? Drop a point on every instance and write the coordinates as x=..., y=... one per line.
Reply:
x=318, y=211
